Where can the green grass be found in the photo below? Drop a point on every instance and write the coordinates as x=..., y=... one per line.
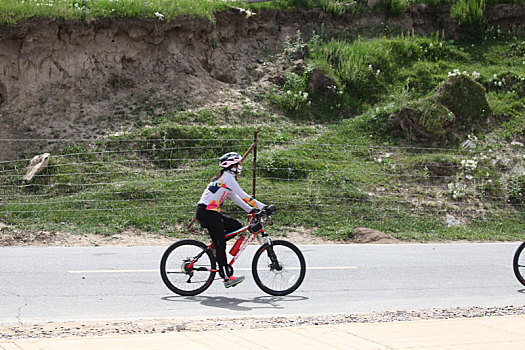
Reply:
x=14, y=11
x=467, y=13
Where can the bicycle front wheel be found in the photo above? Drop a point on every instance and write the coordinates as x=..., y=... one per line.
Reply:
x=279, y=268
x=187, y=267
x=519, y=263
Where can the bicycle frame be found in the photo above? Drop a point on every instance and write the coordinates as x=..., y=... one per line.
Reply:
x=246, y=241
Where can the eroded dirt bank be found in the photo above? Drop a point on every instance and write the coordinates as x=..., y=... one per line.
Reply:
x=69, y=79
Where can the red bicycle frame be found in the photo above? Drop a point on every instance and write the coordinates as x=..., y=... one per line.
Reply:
x=246, y=240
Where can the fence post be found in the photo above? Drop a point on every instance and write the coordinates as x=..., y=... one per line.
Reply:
x=254, y=161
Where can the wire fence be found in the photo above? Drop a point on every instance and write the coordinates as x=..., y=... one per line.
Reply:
x=154, y=184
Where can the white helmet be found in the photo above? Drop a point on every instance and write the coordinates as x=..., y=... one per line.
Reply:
x=230, y=159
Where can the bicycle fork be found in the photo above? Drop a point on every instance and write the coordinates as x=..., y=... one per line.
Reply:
x=274, y=263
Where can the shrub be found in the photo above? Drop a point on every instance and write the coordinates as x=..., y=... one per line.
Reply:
x=294, y=96
x=468, y=13
x=515, y=189
x=506, y=82
x=421, y=78
x=395, y=7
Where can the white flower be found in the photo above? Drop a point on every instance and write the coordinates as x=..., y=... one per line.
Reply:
x=476, y=75
x=159, y=15
x=469, y=164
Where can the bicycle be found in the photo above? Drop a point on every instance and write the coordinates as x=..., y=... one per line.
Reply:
x=518, y=263
x=188, y=267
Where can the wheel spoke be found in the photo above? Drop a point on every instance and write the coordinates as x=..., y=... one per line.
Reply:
x=279, y=269
x=176, y=272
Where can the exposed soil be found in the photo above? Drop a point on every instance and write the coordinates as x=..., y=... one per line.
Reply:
x=15, y=237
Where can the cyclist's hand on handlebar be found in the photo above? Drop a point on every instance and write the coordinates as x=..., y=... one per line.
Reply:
x=270, y=209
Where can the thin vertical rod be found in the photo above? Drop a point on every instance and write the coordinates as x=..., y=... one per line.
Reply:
x=254, y=162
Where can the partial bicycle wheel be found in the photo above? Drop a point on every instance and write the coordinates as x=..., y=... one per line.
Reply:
x=279, y=268
x=519, y=263
x=187, y=267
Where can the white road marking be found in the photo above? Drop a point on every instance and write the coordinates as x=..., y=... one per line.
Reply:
x=239, y=269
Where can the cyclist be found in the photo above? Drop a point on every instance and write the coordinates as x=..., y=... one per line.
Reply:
x=209, y=213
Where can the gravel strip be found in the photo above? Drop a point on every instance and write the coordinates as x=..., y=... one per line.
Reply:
x=104, y=328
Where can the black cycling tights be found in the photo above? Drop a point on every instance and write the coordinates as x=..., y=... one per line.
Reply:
x=218, y=226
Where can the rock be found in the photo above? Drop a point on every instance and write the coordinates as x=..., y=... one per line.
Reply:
x=518, y=170
x=368, y=235
x=457, y=108
x=451, y=221
x=319, y=82
x=36, y=166
x=468, y=144
x=465, y=97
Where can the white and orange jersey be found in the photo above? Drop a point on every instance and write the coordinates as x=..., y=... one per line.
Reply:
x=226, y=185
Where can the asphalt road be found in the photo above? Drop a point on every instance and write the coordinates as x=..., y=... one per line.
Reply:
x=60, y=284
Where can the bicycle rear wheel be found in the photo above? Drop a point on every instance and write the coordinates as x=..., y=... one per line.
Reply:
x=279, y=268
x=519, y=263
x=186, y=267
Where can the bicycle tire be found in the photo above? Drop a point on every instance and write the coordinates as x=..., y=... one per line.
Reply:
x=175, y=274
x=280, y=277
x=518, y=263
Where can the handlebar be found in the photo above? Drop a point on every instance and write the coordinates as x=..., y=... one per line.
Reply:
x=266, y=211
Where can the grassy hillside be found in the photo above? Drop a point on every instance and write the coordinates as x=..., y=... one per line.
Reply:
x=335, y=150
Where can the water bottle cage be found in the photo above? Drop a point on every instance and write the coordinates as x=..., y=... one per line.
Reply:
x=255, y=227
